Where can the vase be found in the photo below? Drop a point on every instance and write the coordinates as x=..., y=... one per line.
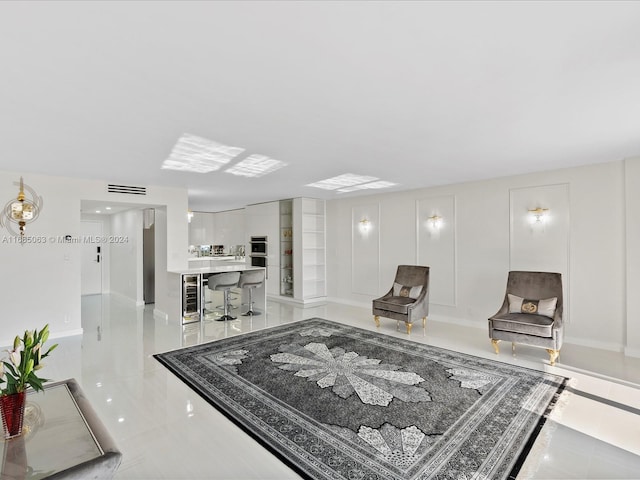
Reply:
x=12, y=409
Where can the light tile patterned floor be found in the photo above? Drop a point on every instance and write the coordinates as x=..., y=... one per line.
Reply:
x=166, y=431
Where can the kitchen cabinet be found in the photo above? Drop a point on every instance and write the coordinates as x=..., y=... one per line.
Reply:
x=263, y=220
x=295, y=239
x=229, y=228
x=201, y=228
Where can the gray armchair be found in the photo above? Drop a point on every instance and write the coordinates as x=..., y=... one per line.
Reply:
x=408, y=298
x=531, y=313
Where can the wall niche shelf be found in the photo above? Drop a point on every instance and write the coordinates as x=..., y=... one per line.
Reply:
x=286, y=249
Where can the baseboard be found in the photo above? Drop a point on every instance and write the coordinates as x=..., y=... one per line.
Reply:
x=297, y=301
x=459, y=321
x=52, y=335
x=124, y=298
x=351, y=303
x=435, y=317
x=632, y=352
x=585, y=342
x=67, y=333
x=160, y=315
x=609, y=346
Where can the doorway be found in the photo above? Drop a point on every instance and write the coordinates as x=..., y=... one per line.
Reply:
x=149, y=256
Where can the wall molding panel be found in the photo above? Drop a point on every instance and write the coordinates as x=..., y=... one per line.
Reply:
x=541, y=245
x=365, y=249
x=436, y=246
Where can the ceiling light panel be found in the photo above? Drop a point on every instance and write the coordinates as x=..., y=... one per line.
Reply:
x=196, y=154
x=364, y=186
x=342, y=181
x=256, y=166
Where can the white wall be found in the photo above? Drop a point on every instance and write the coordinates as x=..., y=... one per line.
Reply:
x=632, y=248
x=589, y=239
x=40, y=282
x=126, y=257
x=164, y=292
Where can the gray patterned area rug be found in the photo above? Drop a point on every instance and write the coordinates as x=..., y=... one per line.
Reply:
x=335, y=401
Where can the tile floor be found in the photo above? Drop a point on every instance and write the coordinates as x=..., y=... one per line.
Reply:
x=166, y=431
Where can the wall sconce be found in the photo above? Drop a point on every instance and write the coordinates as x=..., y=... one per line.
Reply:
x=435, y=222
x=365, y=225
x=22, y=210
x=189, y=215
x=538, y=215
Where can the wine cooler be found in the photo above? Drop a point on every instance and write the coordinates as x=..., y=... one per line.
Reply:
x=190, y=298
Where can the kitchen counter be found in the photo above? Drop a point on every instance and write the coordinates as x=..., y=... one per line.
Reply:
x=239, y=267
x=190, y=285
x=214, y=257
x=214, y=261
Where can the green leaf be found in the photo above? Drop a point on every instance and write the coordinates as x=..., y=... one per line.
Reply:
x=51, y=349
x=28, y=367
x=36, y=383
x=10, y=369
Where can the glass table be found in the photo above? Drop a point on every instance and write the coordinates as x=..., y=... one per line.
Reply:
x=62, y=437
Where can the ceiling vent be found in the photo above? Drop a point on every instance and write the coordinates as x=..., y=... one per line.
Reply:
x=126, y=189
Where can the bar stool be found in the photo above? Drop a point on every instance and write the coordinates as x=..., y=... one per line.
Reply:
x=224, y=282
x=251, y=279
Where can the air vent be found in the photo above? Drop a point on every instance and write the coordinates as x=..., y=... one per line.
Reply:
x=126, y=189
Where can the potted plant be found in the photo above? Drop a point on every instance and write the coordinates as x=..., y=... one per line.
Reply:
x=17, y=373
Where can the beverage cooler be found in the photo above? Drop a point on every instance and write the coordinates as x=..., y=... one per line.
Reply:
x=190, y=298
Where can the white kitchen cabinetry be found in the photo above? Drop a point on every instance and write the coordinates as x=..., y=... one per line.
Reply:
x=229, y=228
x=201, y=228
x=263, y=220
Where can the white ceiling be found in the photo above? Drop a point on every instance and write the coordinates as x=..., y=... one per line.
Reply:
x=416, y=93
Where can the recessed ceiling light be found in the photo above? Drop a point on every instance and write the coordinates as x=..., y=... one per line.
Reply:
x=98, y=211
x=107, y=208
x=342, y=181
x=256, y=166
x=378, y=184
x=196, y=154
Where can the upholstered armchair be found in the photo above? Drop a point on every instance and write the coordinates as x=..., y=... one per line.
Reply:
x=408, y=298
x=531, y=313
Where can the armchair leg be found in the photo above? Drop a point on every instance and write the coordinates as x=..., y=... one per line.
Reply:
x=553, y=356
x=495, y=343
x=409, y=325
x=513, y=348
x=424, y=322
x=376, y=318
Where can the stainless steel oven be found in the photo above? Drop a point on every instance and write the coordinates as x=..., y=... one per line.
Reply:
x=259, y=246
x=258, y=261
x=259, y=251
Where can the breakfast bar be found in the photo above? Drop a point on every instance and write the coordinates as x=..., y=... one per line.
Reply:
x=197, y=300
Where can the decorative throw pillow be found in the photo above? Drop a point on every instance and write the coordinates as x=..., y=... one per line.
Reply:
x=546, y=307
x=402, y=291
